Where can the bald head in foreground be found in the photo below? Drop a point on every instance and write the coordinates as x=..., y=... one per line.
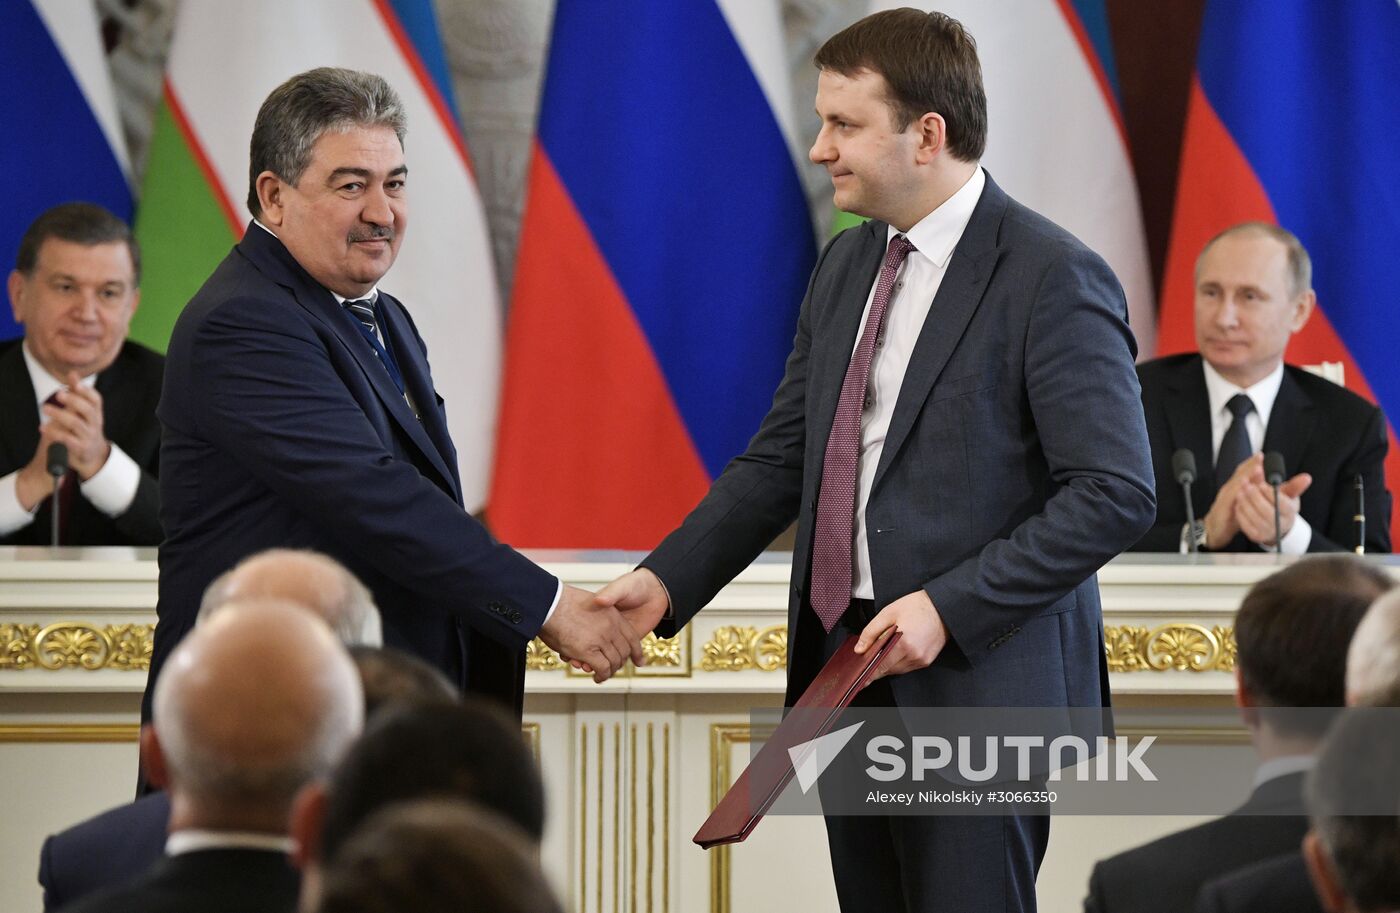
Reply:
x=241, y=722
x=308, y=578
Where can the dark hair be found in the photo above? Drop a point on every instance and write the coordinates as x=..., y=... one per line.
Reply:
x=80, y=223
x=392, y=677
x=429, y=856
x=1294, y=627
x=1353, y=801
x=309, y=104
x=929, y=62
x=469, y=751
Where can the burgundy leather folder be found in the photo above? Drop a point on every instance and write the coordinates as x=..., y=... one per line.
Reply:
x=758, y=787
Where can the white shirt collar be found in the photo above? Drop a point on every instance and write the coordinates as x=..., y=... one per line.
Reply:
x=1262, y=394
x=1274, y=768
x=372, y=294
x=193, y=840
x=44, y=383
x=936, y=234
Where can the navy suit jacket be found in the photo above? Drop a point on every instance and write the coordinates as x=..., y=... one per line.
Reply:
x=283, y=428
x=1269, y=823
x=1016, y=464
x=130, y=388
x=105, y=851
x=208, y=881
x=1279, y=885
x=1317, y=426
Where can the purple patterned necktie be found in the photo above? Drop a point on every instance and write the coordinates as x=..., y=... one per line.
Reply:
x=836, y=505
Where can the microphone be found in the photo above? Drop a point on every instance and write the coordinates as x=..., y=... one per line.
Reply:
x=1184, y=469
x=1359, y=486
x=57, y=461
x=1273, y=474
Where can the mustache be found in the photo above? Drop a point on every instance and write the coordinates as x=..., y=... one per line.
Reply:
x=374, y=233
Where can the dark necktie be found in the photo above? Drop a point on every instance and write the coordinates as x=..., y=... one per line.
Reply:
x=363, y=309
x=1234, y=447
x=66, y=488
x=836, y=505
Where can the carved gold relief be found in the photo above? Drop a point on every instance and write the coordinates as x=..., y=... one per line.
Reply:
x=734, y=648
x=539, y=658
x=1180, y=647
x=76, y=645
x=665, y=656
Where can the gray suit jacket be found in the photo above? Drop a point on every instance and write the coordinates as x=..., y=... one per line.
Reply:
x=1016, y=464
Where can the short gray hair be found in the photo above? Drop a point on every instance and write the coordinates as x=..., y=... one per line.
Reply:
x=1299, y=263
x=300, y=110
x=1373, y=662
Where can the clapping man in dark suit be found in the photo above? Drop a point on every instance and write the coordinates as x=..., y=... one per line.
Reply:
x=242, y=721
x=959, y=438
x=1236, y=400
x=1293, y=631
x=76, y=380
x=299, y=411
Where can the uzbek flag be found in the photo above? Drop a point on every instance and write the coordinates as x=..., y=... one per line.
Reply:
x=664, y=253
x=224, y=61
x=65, y=139
x=1294, y=118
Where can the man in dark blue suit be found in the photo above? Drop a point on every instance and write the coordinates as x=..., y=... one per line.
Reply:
x=959, y=439
x=299, y=411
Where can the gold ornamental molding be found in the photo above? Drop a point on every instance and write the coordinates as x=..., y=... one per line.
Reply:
x=723, y=736
x=76, y=645
x=1179, y=647
x=735, y=648
x=665, y=657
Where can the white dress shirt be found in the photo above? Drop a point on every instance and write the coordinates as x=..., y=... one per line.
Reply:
x=918, y=279
x=1262, y=394
x=111, y=489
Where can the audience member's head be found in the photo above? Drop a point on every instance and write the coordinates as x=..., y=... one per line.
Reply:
x=1292, y=633
x=1253, y=292
x=469, y=751
x=435, y=855
x=392, y=677
x=307, y=578
x=1373, y=662
x=1353, y=800
x=74, y=288
x=242, y=720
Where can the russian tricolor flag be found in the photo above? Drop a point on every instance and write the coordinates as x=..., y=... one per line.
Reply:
x=665, y=249
x=66, y=141
x=1294, y=118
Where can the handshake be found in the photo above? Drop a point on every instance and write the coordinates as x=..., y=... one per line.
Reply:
x=599, y=633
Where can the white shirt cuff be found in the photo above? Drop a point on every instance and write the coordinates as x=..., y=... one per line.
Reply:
x=13, y=516
x=1297, y=539
x=558, y=594
x=113, y=487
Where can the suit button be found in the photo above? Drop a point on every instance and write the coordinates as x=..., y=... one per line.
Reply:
x=515, y=617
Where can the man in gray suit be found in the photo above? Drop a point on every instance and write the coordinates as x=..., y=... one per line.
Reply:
x=959, y=438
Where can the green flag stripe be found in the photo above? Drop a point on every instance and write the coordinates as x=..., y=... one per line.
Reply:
x=182, y=229
x=845, y=220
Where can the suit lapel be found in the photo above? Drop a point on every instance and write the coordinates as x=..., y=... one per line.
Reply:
x=1290, y=423
x=117, y=411
x=276, y=261
x=18, y=406
x=1188, y=416
x=959, y=294
x=418, y=380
